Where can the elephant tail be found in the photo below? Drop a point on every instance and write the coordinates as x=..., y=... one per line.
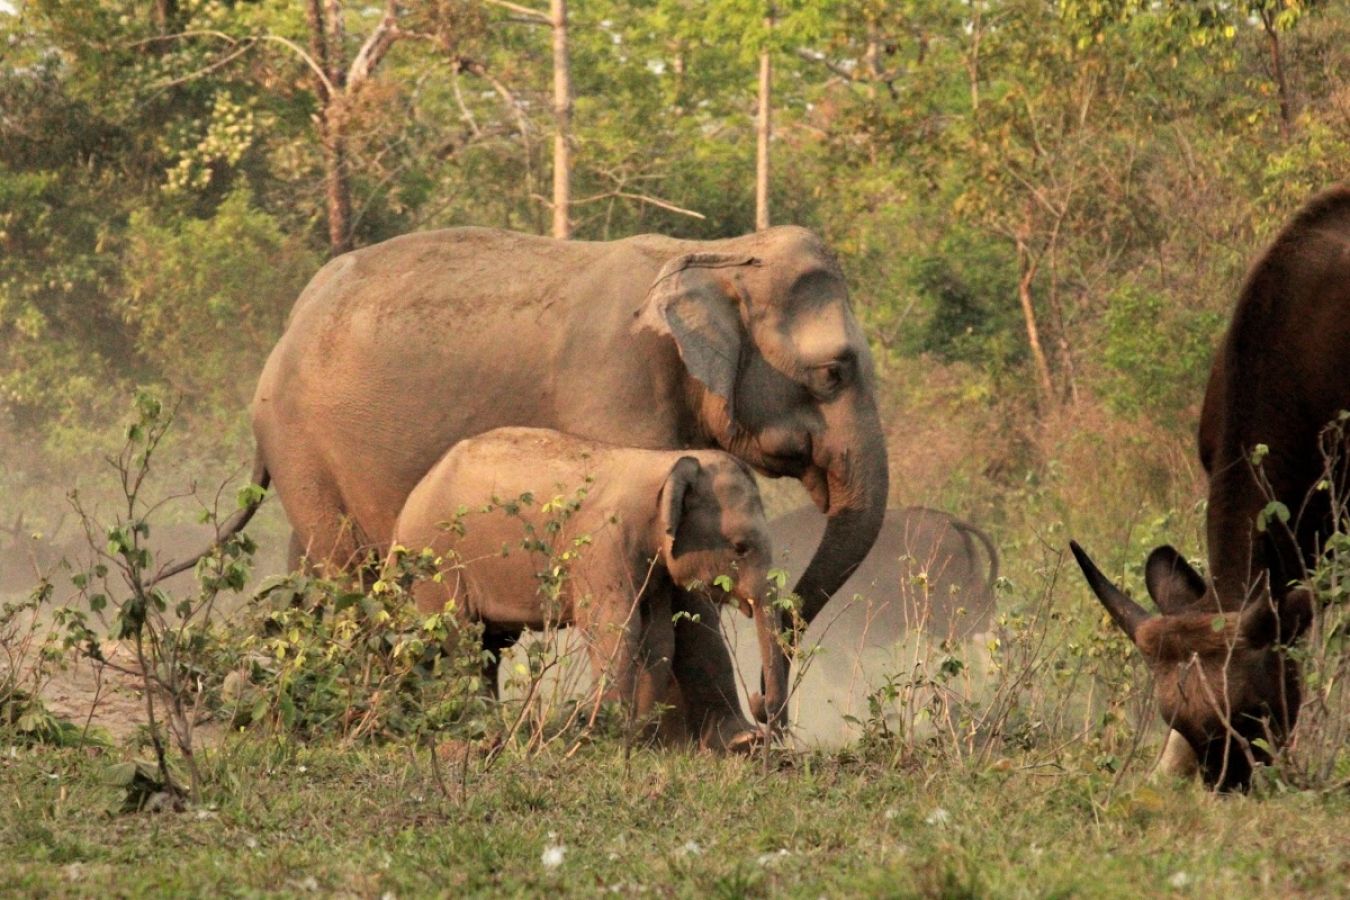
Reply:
x=227, y=529
x=971, y=531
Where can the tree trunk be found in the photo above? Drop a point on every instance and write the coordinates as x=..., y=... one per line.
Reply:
x=337, y=184
x=1061, y=331
x=1026, y=265
x=562, y=122
x=764, y=127
x=325, y=36
x=1277, y=71
x=973, y=58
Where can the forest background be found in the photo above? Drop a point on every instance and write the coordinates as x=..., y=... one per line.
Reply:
x=1044, y=209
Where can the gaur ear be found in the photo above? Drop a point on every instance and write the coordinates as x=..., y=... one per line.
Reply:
x=689, y=302
x=1281, y=622
x=1172, y=583
x=671, y=499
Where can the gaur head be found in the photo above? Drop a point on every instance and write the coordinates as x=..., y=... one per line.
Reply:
x=1222, y=679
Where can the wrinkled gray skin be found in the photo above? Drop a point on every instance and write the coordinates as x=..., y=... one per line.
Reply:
x=924, y=571
x=396, y=352
x=654, y=520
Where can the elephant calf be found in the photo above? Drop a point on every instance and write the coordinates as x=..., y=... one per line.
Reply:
x=646, y=525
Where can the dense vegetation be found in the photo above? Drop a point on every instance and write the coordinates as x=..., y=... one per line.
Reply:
x=1044, y=208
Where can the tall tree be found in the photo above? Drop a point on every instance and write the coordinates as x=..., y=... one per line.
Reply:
x=562, y=122
x=337, y=82
x=764, y=130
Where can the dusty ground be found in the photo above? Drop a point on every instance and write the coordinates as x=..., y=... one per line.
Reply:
x=109, y=697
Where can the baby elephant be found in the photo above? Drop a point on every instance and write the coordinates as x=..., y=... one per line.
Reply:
x=641, y=527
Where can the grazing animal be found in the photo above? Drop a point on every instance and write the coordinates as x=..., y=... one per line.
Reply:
x=925, y=571
x=645, y=523
x=1281, y=375
x=928, y=572
x=396, y=352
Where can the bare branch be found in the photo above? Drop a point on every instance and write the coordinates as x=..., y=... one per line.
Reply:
x=534, y=14
x=846, y=73
x=641, y=198
x=207, y=70
x=308, y=60
x=373, y=51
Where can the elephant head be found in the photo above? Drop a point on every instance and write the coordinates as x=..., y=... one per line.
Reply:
x=779, y=374
x=1222, y=679
x=713, y=533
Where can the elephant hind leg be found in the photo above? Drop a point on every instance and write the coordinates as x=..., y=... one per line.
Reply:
x=323, y=538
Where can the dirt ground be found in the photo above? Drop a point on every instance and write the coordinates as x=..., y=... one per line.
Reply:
x=109, y=697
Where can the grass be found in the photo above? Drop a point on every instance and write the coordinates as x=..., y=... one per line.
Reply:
x=919, y=806
x=282, y=818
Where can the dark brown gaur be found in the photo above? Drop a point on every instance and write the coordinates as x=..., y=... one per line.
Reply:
x=1280, y=379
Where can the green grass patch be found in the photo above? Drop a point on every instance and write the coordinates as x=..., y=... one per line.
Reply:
x=372, y=821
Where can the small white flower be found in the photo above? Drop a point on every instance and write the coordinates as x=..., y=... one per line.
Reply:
x=892, y=813
x=552, y=856
x=691, y=848
x=302, y=769
x=251, y=842
x=768, y=859
x=938, y=817
x=1179, y=880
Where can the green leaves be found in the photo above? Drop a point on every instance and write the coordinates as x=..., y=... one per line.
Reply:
x=1273, y=511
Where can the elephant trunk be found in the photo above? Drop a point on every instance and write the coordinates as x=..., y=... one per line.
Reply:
x=850, y=482
x=771, y=706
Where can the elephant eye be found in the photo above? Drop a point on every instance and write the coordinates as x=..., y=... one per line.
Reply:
x=741, y=548
x=827, y=379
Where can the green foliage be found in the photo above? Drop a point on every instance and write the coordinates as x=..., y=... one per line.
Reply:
x=324, y=660
x=1156, y=356
x=205, y=298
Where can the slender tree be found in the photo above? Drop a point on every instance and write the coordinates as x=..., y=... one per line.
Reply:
x=337, y=81
x=562, y=122
x=764, y=130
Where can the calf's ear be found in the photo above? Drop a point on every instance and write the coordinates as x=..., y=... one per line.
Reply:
x=674, y=490
x=1172, y=583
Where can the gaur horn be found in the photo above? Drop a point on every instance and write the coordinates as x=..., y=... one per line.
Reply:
x=1127, y=614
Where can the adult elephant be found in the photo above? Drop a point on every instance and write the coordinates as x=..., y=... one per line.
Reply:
x=395, y=352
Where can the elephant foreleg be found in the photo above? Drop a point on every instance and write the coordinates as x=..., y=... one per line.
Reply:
x=707, y=678
x=659, y=713
x=613, y=631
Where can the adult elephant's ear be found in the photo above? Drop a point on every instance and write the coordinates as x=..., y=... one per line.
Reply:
x=695, y=305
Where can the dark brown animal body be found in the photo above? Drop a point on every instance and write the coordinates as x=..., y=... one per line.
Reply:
x=1280, y=377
